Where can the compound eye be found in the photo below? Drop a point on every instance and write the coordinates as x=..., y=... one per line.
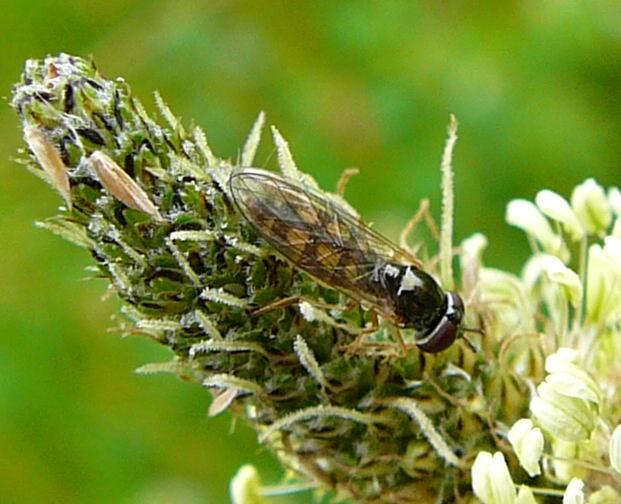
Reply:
x=441, y=338
x=456, y=311
x=447, y=330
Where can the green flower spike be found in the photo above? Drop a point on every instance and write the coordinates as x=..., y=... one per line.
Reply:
x=350, y=406
x=338, y=403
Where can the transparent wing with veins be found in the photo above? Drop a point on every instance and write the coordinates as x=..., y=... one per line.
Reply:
x=318, y=236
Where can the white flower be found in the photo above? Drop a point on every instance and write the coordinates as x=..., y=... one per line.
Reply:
x=614, y=449
x=560, y=462
x=569, y=378
x=603, y=293
x=591, y=206
x=563, y=417
x=553, y=269
x=525, y=215
x=473, y=246
x=556, y=207
x=562, y=359
x=525, y=496
x=573, y=492
x=614, y=197
x=491, y=480
x=612, y=247
x=567, y=402
x=527, y=443
x=245, y=486
x=470, y=259
x=506, y=293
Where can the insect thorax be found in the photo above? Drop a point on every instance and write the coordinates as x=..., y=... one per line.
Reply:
x=416, y=298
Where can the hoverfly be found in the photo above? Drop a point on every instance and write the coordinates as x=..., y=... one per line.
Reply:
x=328, y=243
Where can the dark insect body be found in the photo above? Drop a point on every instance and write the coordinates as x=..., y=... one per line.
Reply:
x=324, y=240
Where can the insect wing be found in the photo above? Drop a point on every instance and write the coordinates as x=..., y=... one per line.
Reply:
x=318, y=236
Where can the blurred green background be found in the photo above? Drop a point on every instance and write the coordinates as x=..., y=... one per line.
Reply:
x=535, y=84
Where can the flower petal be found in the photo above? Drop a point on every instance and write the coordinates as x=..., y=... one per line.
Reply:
x=491, y=480
x=525, y=215
x=614, y=449
x=245, y=486
x=573, y=492
x=556, y=207
x=591, y=206
x=527, y=443
x=614, y=197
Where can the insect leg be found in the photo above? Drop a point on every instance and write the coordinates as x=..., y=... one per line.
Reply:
x=292, y=300
x=397, y=334
x=353, y=347
x=276, y=305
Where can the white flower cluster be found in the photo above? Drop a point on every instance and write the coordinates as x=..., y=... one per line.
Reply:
x=568, y=301
x=590, y=223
